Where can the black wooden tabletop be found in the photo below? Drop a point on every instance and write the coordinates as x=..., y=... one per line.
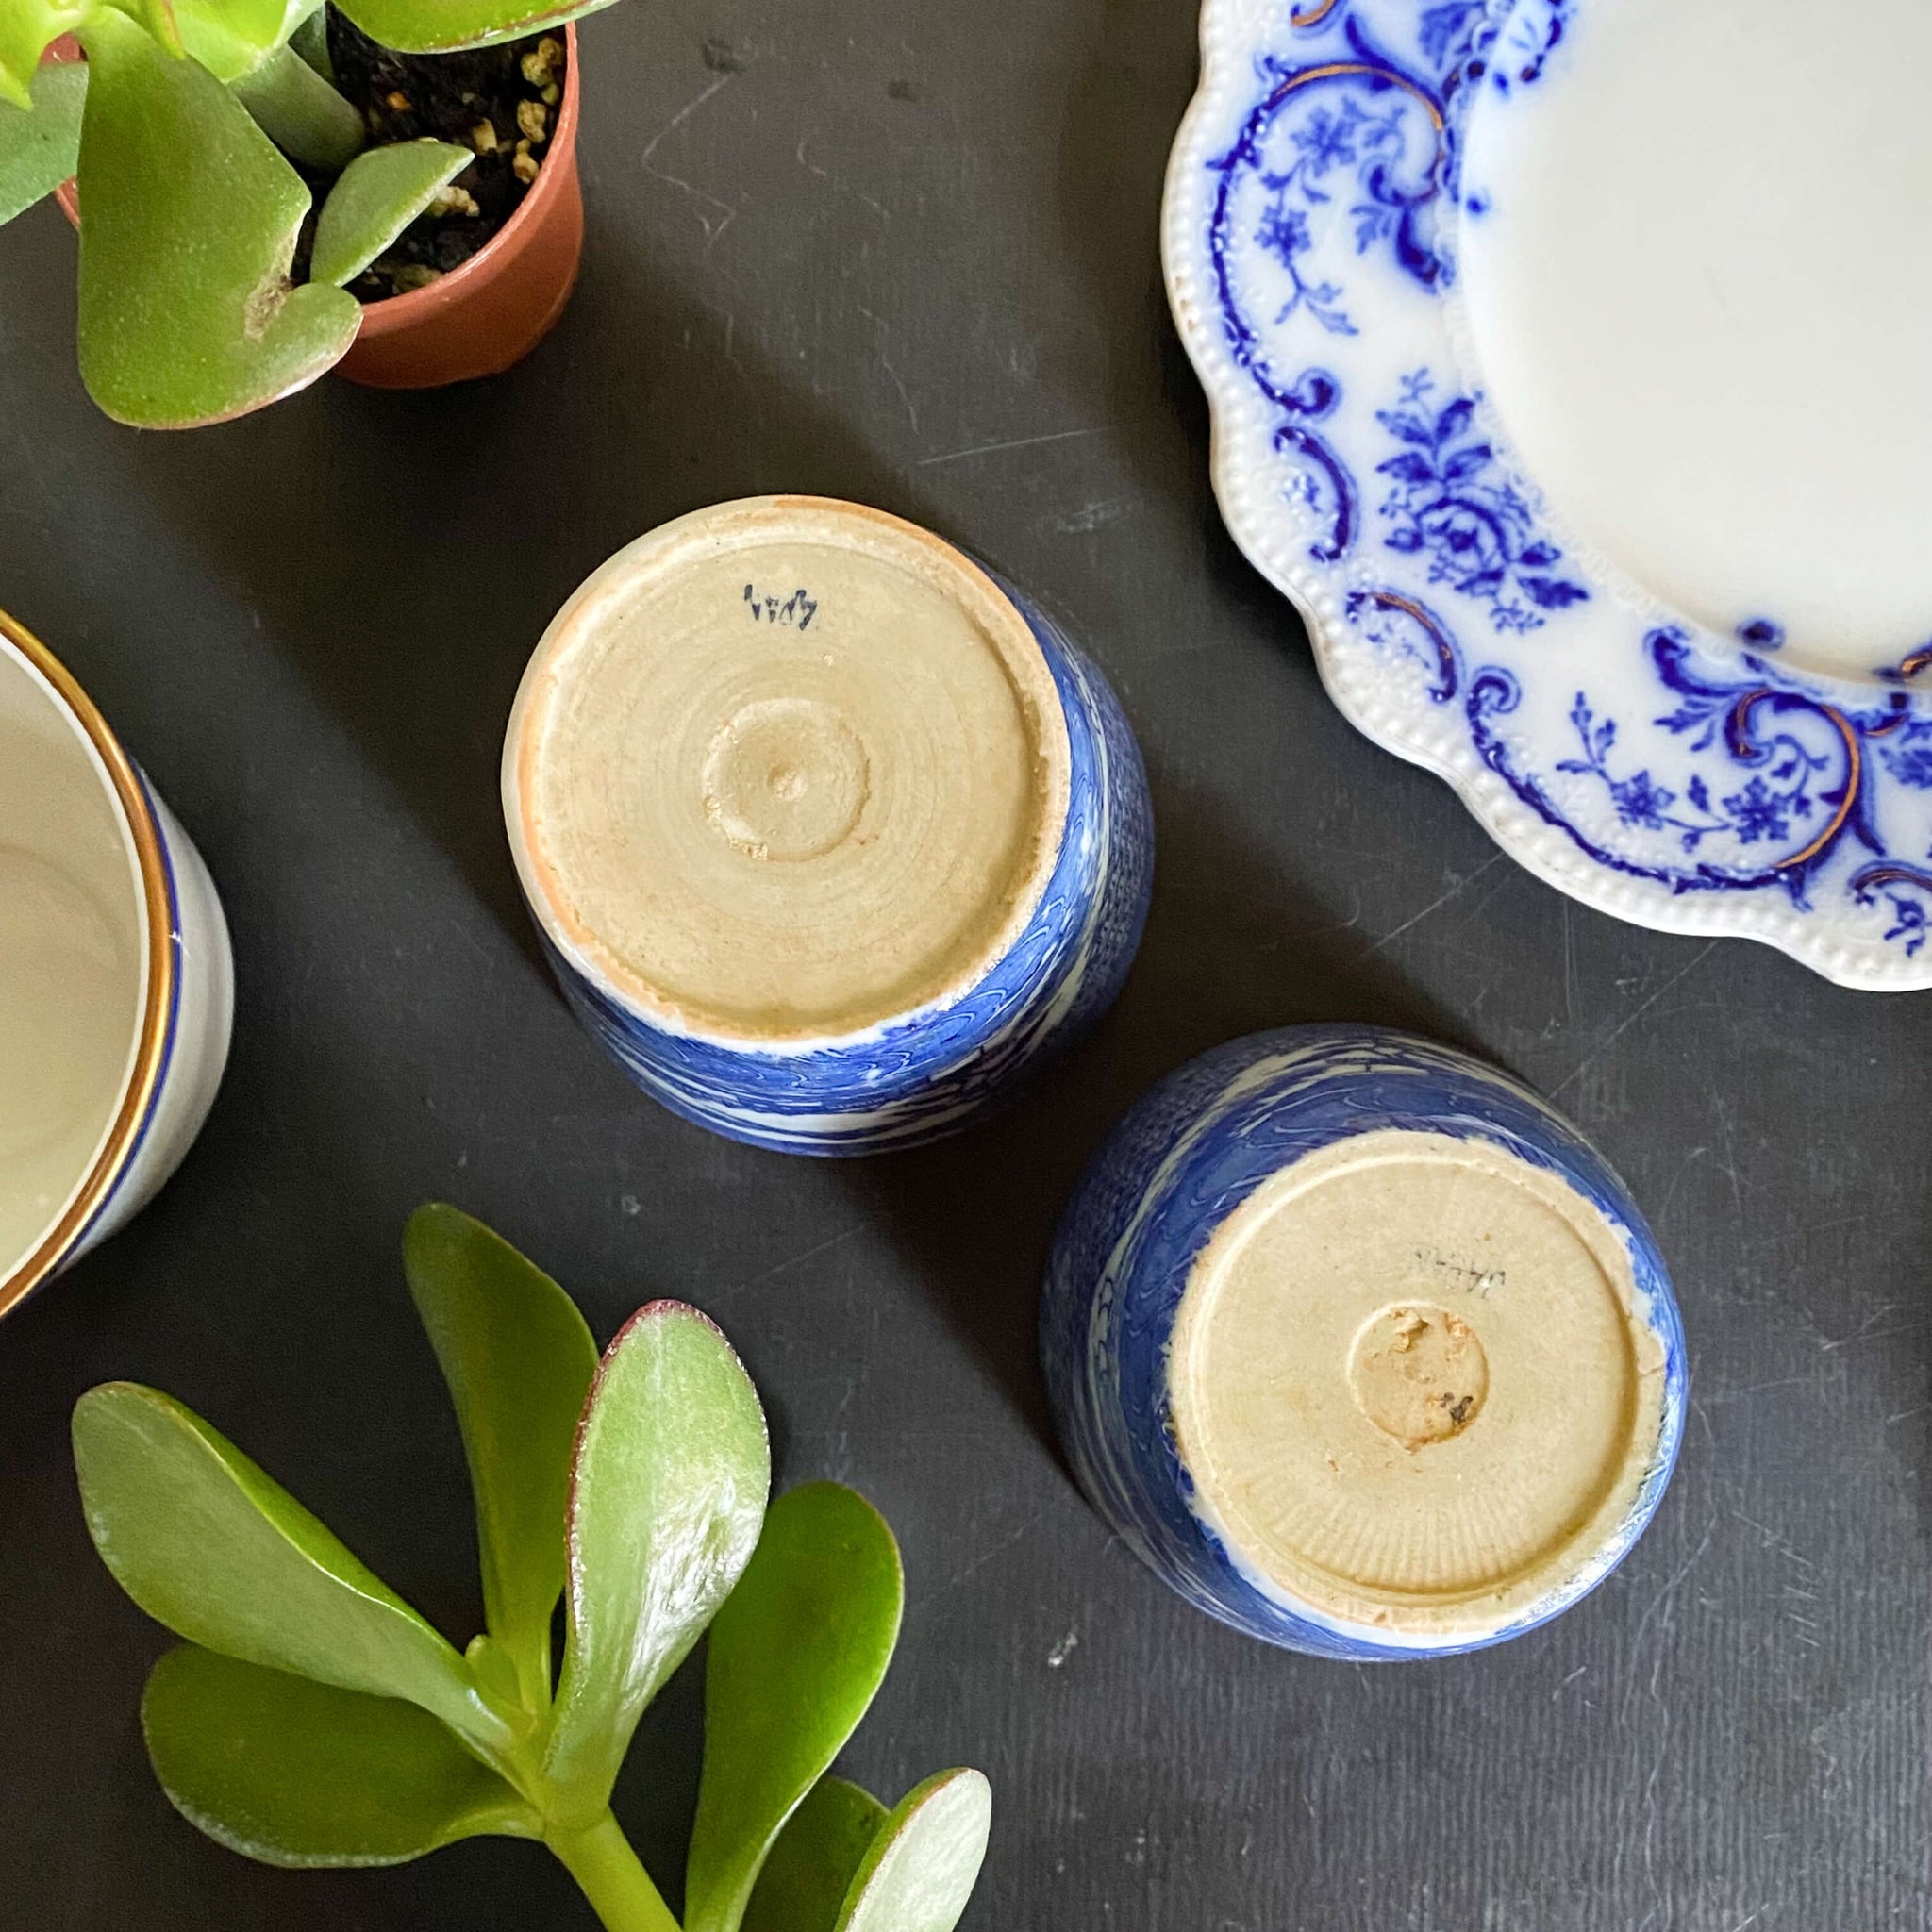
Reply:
x=906, y=253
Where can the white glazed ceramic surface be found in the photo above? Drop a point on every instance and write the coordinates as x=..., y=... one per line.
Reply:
x=127, y=899
x=1560, y=359
x=198, y=1050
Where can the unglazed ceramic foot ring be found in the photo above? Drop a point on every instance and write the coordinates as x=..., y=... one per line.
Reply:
x=831, y=836
x=1361, y=1347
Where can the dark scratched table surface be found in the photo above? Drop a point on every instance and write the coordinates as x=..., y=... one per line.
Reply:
x=906, y=253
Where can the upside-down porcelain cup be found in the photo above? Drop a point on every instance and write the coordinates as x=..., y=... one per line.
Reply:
x=116, y=988
x=830, y=836
x=1361, y=1347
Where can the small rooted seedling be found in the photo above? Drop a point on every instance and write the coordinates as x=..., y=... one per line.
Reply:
x=313, y=1718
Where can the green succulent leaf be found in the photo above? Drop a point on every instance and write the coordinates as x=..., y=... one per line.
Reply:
x=300, y=111
x=207, y=1545
x=155, y=16
x=920, y=1873
x=41, y=147
x=189, y=218
x=812, y=1865
x=672, y=1467
x=796, y=1657
x=380, y=194
x=294, y=1772
x=439, y=26
x=232, y=37
x=519, y=1362
x=27, y=29
x=310, y=41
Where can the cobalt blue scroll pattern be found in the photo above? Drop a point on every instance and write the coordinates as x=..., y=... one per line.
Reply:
x=934, y=1072
x=1184, y=1159
x=1662, y=774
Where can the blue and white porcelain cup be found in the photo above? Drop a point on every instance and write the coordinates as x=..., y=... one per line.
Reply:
x=831, y=838
x=116, y=988
x=1361, y=1347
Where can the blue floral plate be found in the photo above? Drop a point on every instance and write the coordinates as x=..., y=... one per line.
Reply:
x=1530, y=398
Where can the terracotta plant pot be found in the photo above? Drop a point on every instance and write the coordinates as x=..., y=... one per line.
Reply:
x=490, y=313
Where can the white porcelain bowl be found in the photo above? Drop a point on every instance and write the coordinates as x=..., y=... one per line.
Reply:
x=116, y=982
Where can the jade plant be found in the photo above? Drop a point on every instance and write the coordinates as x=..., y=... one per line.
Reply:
x=313, y=1718
x=193, y=130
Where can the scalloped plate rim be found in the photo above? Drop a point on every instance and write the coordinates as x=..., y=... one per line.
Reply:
x=1541, y=848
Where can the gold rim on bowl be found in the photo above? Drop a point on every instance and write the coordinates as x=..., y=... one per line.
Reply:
x=157, y=1009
